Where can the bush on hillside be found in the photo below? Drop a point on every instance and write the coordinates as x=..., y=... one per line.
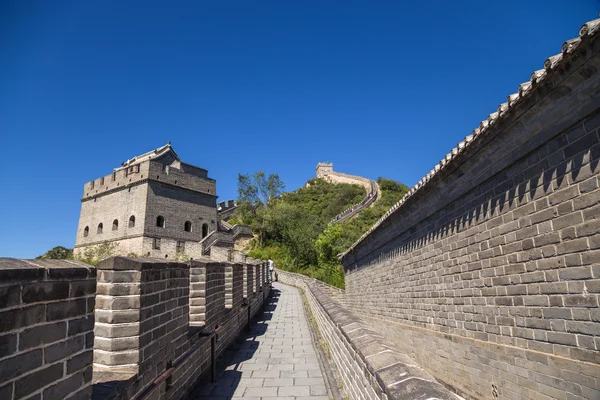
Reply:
x=297, y=233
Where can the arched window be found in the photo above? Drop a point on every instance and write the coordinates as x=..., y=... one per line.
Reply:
x=115, y=225
x=160, y=221
x=131, y=221
x=86, y=231
x=187, y=226
x=100, y=226
x=204, y=230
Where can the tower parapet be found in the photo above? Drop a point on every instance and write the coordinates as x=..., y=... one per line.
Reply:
x=324, y=169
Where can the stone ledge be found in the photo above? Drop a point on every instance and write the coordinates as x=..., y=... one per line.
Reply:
x=16, y=270
x=396, y=373
x=137, y=264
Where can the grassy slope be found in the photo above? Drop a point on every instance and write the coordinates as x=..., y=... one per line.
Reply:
x=298, y=236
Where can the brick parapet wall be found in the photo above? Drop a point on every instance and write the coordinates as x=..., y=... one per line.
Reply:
x=46, y=329
x=234, y=285
x=173, y=354
x=207, y=293
x=370, y=367
x=498, y=257
x=145, y=346
x=249, y=282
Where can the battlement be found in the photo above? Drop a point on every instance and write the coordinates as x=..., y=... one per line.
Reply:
x=324, y=169
x=152, y=319
x=177, y=174
x=226, y=205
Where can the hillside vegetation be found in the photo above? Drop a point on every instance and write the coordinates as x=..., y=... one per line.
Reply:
x=295, y=232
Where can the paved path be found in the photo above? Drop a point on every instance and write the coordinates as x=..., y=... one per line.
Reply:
x=276, y=360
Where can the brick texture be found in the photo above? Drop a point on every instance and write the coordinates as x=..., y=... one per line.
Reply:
x=368, y=366
x=489, y=277
x=46, y=329
x=163, y=317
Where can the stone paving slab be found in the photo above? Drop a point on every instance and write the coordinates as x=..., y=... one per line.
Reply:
x=275, y=360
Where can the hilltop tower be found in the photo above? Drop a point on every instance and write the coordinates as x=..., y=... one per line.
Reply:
x=154, y=205
x=324, y=169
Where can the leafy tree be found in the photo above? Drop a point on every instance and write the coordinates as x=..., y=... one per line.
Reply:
x=328, y=244
x=254, y=194
x=57, y=253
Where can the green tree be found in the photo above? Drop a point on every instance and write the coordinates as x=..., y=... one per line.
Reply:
x=254, y=195
x=329, y=244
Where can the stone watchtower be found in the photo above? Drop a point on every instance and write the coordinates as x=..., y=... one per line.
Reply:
x=324, y=169
x=154, y=205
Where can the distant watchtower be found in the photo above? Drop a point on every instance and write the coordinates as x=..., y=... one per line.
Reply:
x=324, y=169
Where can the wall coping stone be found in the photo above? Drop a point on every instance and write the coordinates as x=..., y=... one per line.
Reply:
x=120, y=263
x=17, y=270
x=397, y=374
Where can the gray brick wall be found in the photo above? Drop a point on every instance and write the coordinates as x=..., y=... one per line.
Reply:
x=368, y=366
x=249, y=281
x=234, y=284
x=490, y=277
x=158, y=317
x=46, y=329
x=207, y=295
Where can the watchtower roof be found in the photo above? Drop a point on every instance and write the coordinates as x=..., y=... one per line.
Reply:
x=159, y=152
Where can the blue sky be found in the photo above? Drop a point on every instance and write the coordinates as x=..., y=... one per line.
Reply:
x=377, y=88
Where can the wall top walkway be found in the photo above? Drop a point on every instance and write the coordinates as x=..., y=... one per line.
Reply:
x=386, y=370
x=275, y=359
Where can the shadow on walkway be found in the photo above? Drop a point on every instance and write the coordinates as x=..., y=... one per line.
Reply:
x=243, y=349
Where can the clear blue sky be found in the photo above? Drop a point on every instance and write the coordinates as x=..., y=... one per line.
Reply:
x=377, y=88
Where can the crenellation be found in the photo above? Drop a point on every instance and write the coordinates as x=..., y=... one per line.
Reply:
x=120, y=179
x=122, y=324
x=153, y=206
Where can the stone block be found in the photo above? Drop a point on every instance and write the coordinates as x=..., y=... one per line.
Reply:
x=18, y=318
x=112, y=358
x=79, y=362
x=64, y=349
x=20, y=364
x=37, y=380
x=66, y=309
x=44, y=291
x=43, y=334
x=63, y=388
x=8, y=344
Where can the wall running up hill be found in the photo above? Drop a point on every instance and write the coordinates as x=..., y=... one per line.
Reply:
x=488, y=275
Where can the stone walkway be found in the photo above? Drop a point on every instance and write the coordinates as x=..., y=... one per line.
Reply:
x=276, y=359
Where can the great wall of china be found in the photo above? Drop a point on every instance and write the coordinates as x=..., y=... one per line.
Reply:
x=482, y=283
x=373, y=193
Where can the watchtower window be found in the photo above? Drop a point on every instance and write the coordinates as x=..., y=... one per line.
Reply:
x=160, y=221
x=187, y=226
x=86, y=231
x=100, y=226
x=132, y=170
x=131, y=221
x=115, y=225
x=204, y=230
x=180, y=248
x=156, y=244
